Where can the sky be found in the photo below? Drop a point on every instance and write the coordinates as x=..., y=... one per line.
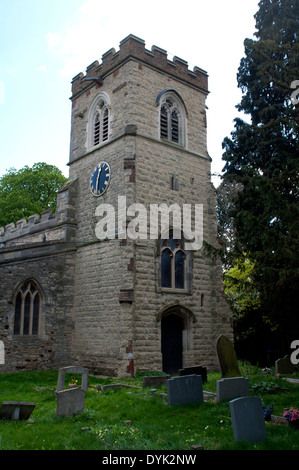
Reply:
x=45, y=43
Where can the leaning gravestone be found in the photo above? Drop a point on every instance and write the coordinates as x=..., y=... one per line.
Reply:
x=227, y=357
x=15, y=410
x=248, y=419
x=230, y=388
x=185, y=389
x=72, y=400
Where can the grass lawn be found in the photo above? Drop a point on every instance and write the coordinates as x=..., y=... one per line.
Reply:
x=135, y=419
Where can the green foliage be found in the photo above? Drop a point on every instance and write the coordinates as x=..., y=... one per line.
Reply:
x=133, y=418
x=250, y=325
x=145, y=373
x=263, y=387
x=28, y=191
x=262, y=158
x=239, y=287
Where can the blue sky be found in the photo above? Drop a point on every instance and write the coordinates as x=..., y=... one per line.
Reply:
x=45, y=43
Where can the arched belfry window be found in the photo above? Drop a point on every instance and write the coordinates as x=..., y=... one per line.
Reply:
x=99, y=120
x=172, y=117
x=174, y=264
x=27, y=309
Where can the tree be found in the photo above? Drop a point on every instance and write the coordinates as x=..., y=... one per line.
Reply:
x=226, y=194
x=28, y=191
x=262, y=156
x=250, y=326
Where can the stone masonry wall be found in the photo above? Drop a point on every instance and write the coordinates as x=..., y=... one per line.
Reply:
x=118, y=303
x=41, y=249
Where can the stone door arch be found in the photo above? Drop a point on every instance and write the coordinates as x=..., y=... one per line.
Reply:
x=175, y=336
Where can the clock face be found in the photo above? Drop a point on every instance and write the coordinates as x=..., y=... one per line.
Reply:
x=100, y=179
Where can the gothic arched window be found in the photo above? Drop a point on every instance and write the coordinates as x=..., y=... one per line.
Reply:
x=173, y=264
x=99, y=121
x=172, y=117
x=27, y=310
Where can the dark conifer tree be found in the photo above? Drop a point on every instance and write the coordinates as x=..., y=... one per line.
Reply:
x=262, y=157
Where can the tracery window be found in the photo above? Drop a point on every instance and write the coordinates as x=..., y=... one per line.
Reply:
x=173, y=264
x=27, y=310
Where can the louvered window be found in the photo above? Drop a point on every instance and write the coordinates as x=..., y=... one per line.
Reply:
x=164, y=122
x=97, y=129
x=100, y=123
x=27, y=310
x=170, y=122
x=174, y=127
x=105, y=124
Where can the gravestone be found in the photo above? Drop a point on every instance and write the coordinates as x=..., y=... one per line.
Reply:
x=227, y=357
x=284, y=366
x=233, y=387
x=71, y=401
x=248, y=419
x=155, y=380
x=198, y=370
x=72, y=370
x=15, y=410
x=2, y=353
x=185, y=389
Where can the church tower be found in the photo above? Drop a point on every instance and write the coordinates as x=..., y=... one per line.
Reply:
x=144, y=296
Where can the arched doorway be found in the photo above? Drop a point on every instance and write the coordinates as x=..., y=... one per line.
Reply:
x=172, y=326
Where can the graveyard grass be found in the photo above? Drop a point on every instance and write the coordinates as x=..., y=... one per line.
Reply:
x=133, y=418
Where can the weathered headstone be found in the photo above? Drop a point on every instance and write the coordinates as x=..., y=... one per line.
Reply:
x=248, y=419
x=198, y=370
x=155, y=380
x=232, y=387
x=72, y=400
x=15, y=410
x=185, y=389
x=284, y=366
x=227, y=357
x=72, y=370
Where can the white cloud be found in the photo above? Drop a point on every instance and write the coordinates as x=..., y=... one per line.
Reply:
x=42, y=68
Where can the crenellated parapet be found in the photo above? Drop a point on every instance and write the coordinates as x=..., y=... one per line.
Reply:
x=47, y=227
x=133, y=47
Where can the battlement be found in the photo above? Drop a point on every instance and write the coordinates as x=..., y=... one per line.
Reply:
x=44, y=227
x=133, y=47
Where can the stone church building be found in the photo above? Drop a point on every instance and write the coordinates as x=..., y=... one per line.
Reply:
x=95, y=284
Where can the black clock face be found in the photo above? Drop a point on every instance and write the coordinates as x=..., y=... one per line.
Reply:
x=100, y=179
